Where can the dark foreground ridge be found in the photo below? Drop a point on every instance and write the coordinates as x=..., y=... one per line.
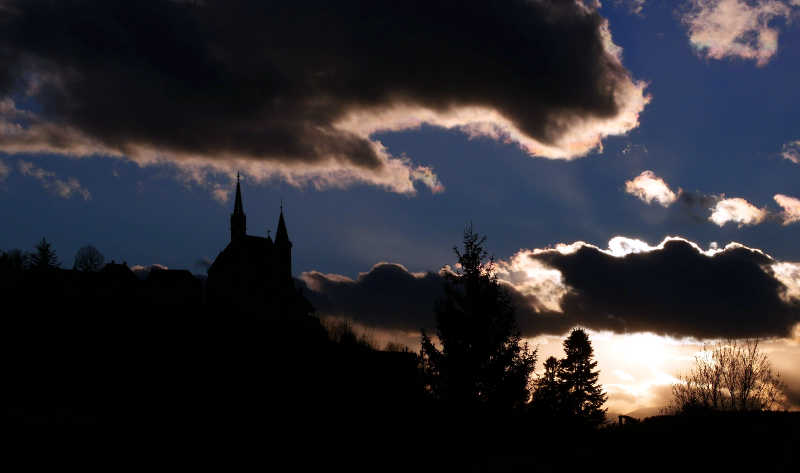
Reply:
x=171, y=366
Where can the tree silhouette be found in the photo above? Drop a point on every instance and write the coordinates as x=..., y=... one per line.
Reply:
x=731, y=376
x=13, y=261
x=44, y=258
x=483, y=358
x=548, y=395
x=583, y=396
x=88, y=258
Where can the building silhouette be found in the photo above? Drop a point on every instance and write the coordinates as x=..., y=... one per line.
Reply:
x=253, y=274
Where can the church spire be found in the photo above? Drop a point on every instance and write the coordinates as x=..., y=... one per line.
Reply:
x=238, y=218
x=237, y=206
x=284, y=250
x=281, y=235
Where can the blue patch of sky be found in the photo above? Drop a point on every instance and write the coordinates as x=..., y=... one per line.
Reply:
x=713, y=126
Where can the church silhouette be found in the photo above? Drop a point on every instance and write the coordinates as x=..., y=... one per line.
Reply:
x=253, y=274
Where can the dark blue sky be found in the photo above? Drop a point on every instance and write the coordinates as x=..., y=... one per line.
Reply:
x=713, y=126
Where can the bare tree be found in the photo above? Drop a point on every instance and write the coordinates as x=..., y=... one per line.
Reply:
x=730, y=376
x=88, y=258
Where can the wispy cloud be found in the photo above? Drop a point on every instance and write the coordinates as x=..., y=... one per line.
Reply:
x=791, y=208
x=648, y=187
x=723, y=210
x=634, y=6
x=791, y=151
x=64, y=188
x=720, y=29
x=4, y=171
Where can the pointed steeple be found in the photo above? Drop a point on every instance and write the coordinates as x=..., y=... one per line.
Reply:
x=281, y=235
x=284, y=251
x=238, y=218
x=237, y=206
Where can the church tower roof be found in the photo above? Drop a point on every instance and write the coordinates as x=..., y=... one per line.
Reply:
x=237, y=206
x=238, y=218
x=281, y=235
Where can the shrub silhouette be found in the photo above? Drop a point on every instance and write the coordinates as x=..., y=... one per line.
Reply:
x=88, y=258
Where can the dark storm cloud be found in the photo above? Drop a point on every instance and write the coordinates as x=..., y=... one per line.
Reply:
x=697, y=205
x=674, y=289
x=697, y=199
x=302, y=85
x=387, y=296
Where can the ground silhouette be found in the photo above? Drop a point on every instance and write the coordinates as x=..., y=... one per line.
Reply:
x=147, y=356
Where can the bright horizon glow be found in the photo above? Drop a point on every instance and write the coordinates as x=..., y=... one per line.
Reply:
x=637, y=370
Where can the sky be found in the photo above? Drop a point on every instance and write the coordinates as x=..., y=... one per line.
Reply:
x=633, y=163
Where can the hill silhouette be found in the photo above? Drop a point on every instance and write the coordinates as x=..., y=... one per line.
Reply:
x=157, y=357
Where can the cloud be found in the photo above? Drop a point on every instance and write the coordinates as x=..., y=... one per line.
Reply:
x=390, y=297
x=698, y=199
x=720, y=29
x=737, y=210
x=4, y=171
x=674, y=288
x=789, y=275
x=142, y=271
x=634, y=6
x=204, y=263
x=791, y=208
x=632, y=149
x=649, y=187
x=64, y=188
x=791, y=151
x=297, y=91
x=387, y=296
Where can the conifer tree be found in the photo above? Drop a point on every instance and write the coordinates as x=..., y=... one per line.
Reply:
x=483, y=358
x=13, y=261
x=584, y=397
x=548, y=394
x=44, y=257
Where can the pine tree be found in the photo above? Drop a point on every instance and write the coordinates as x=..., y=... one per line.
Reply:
x=584, y=397
x=44, y=257
x=13, y=261
x=548, y=394
x=483, y=358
